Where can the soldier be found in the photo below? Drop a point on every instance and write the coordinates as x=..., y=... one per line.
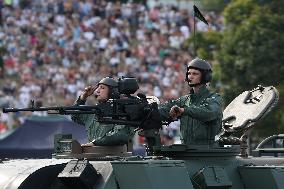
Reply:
x=102, y=134
x=200, y=111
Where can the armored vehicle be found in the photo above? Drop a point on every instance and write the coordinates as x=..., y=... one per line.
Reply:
x=165, y=167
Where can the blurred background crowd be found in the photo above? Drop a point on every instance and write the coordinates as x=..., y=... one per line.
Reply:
x=51, y=49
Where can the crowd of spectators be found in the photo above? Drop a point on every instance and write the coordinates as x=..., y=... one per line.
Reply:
x=51, y=49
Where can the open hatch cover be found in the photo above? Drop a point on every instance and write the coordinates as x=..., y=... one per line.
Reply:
x=249, y=107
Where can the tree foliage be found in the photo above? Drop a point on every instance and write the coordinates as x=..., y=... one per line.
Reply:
x=206, y=44
x=214, y=5
x=252, y=51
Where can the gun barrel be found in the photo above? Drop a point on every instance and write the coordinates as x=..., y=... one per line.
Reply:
x=6, y=110
x=55, y=108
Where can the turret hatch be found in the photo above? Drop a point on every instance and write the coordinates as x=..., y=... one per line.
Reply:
x=248, y=108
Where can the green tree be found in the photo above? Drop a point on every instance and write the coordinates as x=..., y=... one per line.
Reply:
x=252, y=53
x=206, y=44
x=214, y=5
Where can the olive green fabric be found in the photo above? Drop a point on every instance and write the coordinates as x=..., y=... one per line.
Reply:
x=103, y=134
x=201, y=120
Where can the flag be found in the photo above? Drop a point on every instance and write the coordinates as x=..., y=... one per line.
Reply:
x=198, y=14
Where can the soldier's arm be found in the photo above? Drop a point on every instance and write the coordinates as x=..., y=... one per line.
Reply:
x=79, y=118
x=165, y=108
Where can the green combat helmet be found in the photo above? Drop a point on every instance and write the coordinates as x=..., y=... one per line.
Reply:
x=109, y=82
x=113, y=85
x=203, y=66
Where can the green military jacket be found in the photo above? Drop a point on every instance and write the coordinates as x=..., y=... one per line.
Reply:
x=201, y=120
x=103, y=134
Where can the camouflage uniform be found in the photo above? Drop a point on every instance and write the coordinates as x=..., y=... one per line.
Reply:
x=201, y=120
x=103, y=134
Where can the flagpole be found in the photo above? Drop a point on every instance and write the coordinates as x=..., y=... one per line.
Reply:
x=194, y=47
x=198, y=14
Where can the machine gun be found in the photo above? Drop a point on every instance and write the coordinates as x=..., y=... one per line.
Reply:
x=134, y=111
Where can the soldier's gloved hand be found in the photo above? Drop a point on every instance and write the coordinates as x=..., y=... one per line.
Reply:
x=175, y=112
x=88, y=91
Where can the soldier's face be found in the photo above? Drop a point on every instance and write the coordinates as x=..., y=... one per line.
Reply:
x=194, y=76
x=102, y=93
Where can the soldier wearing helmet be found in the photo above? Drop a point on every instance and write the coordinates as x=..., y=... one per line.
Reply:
x=200, y=111
x=102, y=134
x=203, y=67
